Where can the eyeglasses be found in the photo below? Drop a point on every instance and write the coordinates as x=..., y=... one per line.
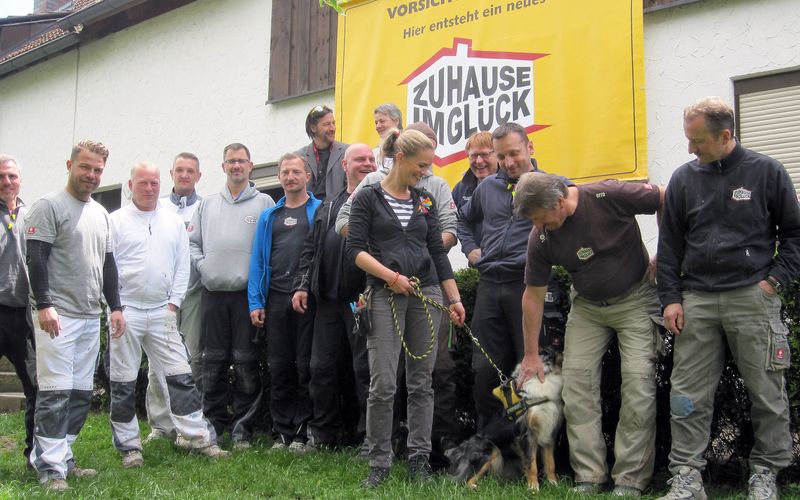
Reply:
x=484, y=156
x=236, y=161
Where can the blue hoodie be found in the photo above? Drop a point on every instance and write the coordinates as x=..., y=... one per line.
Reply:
x=258, y=278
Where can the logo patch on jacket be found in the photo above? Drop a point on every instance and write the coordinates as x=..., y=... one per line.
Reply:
x=425, y=205
x=31, y=230
x=249, y=219
x=584, y=253
x=741, y=194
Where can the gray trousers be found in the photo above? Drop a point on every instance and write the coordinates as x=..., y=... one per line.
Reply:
x=189, y=324
x=748, y=320
x=384, y=350
x=590, y=329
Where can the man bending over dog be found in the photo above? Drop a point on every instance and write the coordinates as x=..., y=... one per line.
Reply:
x=591, y=231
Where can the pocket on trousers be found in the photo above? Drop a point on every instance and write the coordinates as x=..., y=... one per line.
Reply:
x=778, y=353
x=171, y=321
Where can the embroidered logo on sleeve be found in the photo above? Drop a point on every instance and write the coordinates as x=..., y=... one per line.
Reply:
x=600, y=195
x=584, y=253
x=741, y=194
x=31, y=230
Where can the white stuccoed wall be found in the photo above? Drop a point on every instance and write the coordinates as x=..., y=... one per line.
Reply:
x=193, y=79
x=197, y=78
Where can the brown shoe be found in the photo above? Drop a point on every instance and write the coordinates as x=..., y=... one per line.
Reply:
x=132, y=459
x=80, y=472
x=55, y=484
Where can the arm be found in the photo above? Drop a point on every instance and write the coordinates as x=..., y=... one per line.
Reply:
x=448, y=215
x=195, y=231
x=785, y=214
x=457, y=313
x=670, y=258
x=302, y=278
x=469, y=214
x=37, y=255
x=532, y=311
x=111, y=293
x=255, y=297
x=180, y=276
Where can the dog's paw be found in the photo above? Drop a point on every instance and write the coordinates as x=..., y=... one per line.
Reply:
x=533, y=486
x=472, y=484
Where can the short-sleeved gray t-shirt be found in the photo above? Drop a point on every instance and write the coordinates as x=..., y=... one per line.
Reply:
x=80, y=233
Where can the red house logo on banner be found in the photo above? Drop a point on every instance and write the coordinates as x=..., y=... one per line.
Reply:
x=460, y=91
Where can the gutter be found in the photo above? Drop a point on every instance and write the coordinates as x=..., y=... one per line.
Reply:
x=39, y=53
x=95, y=12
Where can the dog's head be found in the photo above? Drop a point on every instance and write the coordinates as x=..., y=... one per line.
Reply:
x=468, y=457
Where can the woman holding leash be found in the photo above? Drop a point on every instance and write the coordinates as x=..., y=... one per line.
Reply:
x=394, y=236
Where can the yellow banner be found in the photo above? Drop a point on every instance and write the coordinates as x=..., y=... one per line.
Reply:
x=570, y=71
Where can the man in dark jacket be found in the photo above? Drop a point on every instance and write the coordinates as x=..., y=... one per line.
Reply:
x=324, y=154
x=719, y=276
x=338, y=357
x=500, y=257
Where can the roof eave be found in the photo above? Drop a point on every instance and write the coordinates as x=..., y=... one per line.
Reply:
x=39, y=53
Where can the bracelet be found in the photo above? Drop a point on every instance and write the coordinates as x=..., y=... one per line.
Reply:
x=394, y=281
x=455, y=301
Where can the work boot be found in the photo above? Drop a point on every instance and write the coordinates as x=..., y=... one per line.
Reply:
x=80, y=472
x=377, y=475
x=132, y=459
x=55, y=484
x=761, y=484
x=586, y=488
x=212, y=451
x=626, y=491
x=687, y=484
x=419, y=468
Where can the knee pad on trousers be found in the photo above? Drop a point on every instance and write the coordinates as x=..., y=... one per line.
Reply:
x=248, y=378
x=123, y=401
x=51, y=407
x=183, y=396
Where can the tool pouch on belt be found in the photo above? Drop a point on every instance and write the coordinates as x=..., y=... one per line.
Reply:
x=362, y=324
x=513, y=406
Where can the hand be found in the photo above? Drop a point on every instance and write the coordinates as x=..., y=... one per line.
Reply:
x=49, y=322
x=457, y=313
x=531, y=366
x=300, y=301
x=257, y=317
x=651, y=271
x=768, y=289
x=401, y=285
x=117, y=324
x=474, y=256
x=673, y=318
x=172, y=307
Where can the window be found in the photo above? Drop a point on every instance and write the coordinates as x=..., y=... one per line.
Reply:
x=110, y=197
x=302, y=49
x=768, y=117
x=265, y=175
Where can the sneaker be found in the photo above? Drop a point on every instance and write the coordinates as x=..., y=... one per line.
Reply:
x=278, y=445
x=586, y=488
x=626, y=491
x=241, y=445
x=80, y=472
x=687, y=484
x=132, y=459
x=155, y=435
x=761, y=484
x=212, y=451
x=377, y=475
x=419, y=469
x=298, y=447
x=55, y=484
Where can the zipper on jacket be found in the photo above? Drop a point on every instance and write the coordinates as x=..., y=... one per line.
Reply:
x=711, y=243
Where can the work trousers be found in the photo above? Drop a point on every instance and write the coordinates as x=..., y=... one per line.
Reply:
x=16, y=344
x=339, y=374
x=190, y=326
x=155, y=331
x=289, y=336
x=228, y=338
x=591, y=327
x=65, y=368
x=748, y=320
x=497, y=324
x=384, y=350
x=445, y=428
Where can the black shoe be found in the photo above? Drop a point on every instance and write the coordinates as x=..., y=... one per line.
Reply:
x=419, y=469
x=377, y=475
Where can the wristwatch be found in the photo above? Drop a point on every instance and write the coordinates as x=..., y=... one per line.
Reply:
x=774, y=283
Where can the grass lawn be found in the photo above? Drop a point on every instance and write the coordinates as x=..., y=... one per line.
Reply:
x=254, y=473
